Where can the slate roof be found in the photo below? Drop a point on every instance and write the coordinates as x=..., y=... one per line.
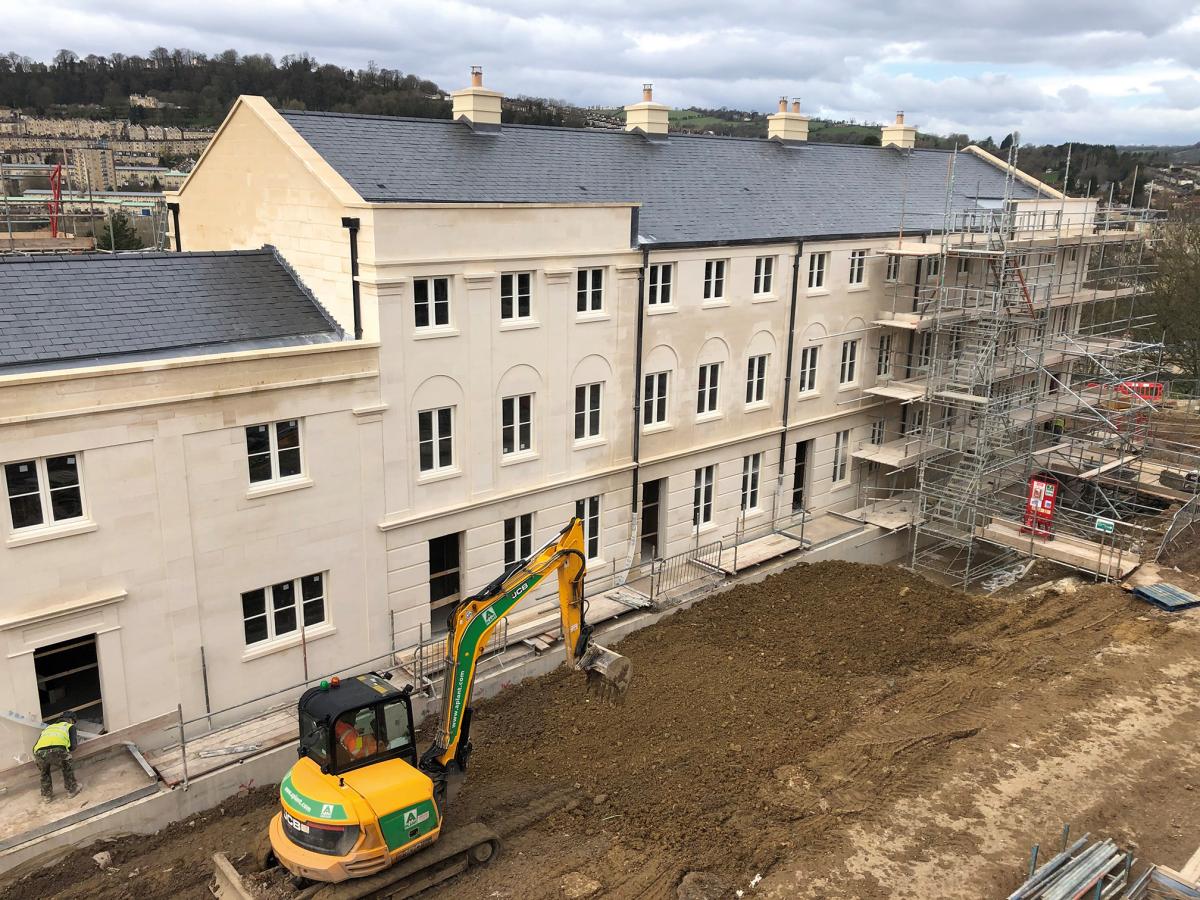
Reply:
x=79, y=309
x=694, y=188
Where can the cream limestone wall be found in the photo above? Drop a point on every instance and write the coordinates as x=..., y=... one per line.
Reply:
x=285, y=192
x=174, y=533
x=693, y=331
x=477, y=360
x=259, y=183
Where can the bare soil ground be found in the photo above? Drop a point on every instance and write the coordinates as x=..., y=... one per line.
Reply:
x=843, y=730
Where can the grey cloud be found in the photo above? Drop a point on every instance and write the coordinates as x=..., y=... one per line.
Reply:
x=972, y=66
x=1181, y=93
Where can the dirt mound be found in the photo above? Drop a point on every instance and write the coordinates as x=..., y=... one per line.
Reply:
x=725, y=694
x=763, y=725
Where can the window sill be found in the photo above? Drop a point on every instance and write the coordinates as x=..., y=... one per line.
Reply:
x=857, y=288
x=515, y=459
x=714, y=304
x=763, y=298
x=757, y=405
x=429, y=334
x=754, y=513
x=266, y=648
x=660, y=309
x=657, y=428
x=818, y=292
x=268, y=488
x=808, y=395
x=589, y=442
x=438, y=475
x=704, y=528
x=519, y=324
x=592, y=317
x=850, y=386
x=709, y=417
x=38, y=533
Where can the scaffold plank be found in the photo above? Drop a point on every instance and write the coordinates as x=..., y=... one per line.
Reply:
x=1078, y=553
x=898, y=390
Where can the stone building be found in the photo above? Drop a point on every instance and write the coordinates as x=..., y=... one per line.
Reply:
x=186, y=443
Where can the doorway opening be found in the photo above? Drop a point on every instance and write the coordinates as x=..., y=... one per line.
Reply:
x=800, y=476
x=651, y=499
x=68, y=680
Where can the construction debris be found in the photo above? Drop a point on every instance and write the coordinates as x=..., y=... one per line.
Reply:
x=1166, y=882
x=1166, y=596
x=1085, y=869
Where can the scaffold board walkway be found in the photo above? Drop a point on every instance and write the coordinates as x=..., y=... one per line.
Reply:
x=1077, y=553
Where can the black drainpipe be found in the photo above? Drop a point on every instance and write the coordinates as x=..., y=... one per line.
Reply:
x=352, y=224
x=787, y=375
x=637, y=380
x=174, y=208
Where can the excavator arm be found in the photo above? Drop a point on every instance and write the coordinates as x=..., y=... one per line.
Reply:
x=474, y=619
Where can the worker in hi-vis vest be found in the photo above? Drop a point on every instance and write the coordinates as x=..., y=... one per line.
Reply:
x=53, y=748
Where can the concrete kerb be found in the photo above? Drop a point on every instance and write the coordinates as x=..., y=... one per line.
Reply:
x=151, y=814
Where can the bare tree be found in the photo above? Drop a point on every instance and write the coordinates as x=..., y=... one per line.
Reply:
x=1176, y=288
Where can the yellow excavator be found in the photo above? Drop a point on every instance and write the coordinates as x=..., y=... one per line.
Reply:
x=362, y=814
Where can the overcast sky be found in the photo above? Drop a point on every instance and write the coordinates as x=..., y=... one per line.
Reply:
x=1105, y=71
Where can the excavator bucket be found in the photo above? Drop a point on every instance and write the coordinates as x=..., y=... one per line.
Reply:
x=608, y=673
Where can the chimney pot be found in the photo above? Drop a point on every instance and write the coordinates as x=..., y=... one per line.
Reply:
x=795, y=104
x=789, y=127
x=648, y=117
x=476, y=104
x=899, y=135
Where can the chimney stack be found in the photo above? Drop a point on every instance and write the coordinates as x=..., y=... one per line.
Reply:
x=477, y=105
x=648, y=117
x=790, y=127
x=899, y=134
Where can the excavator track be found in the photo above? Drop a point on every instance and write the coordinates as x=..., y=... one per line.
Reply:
x=473, y=844
x=451, y=855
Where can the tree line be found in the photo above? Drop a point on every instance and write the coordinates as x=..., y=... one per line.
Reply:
x=198, y=89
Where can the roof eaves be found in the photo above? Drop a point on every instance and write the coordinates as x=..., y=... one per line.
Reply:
x=647, y=242
x=174, y=351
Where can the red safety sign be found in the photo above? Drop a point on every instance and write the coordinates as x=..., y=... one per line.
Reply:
x=1150, y=391
x=1039, y=506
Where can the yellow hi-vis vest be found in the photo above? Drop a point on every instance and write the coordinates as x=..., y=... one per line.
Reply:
x=56, y=735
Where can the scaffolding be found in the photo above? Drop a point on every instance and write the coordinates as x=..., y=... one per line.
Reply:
x=1018, y=351
x=69, y=220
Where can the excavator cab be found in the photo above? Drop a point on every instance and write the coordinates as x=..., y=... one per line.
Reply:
x=348, y=724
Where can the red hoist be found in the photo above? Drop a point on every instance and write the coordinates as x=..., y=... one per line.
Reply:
x=1039, y=507
x=55, y=204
